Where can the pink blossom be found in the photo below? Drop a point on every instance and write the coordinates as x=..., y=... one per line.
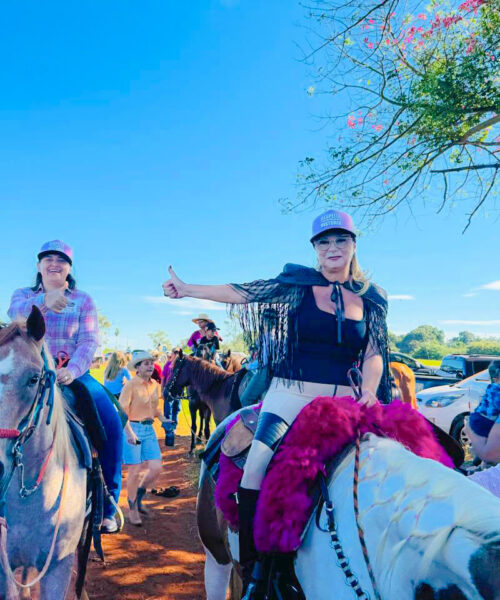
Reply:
x=379, y=127
x=422, y=16
x=471, y=5
x=360, y=120
x=370, y=45
x=371, y=21
x=386, y=182
x=351, y=122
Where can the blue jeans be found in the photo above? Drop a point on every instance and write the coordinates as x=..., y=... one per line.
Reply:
x=171, y=409
x=111, y=456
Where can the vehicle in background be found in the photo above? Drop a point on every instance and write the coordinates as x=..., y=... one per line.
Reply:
x=447, y=405
x=461, y=366
x=415, y=365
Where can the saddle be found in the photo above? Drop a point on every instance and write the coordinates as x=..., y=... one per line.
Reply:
x=85, y=425
x=237, y=440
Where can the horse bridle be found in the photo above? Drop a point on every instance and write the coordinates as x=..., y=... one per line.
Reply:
x=26, y=428
x=179, y=363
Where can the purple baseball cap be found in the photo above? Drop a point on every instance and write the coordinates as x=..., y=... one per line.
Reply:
x=56, y=247
x=332, y=219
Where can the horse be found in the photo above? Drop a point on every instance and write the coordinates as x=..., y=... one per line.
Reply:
x=216, y=387
x=232, y=361
x=196, y=404
x=45, y=507
x=404, y=527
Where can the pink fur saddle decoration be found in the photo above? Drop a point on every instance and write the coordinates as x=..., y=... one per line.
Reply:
x=321, y=430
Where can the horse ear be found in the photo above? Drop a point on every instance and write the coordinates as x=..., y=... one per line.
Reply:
x=35, y=324
x=229, y=353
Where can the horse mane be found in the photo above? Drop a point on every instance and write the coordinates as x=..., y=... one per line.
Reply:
x=9, y=332
x=59, y=423
x=206, y=374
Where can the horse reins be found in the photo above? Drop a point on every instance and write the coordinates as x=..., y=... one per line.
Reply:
x=355, y=379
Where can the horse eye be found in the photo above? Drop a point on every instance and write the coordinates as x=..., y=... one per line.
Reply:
x=34, y=380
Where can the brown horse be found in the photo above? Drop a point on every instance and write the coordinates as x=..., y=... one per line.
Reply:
x=232, y=361
x=217, y=388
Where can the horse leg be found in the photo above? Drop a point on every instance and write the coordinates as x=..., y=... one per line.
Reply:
x=56, y=582
x=213, y=534
x=217, y=577
x=192, y=412
x=208, y=416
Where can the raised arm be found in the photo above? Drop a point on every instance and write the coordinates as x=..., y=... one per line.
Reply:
x=176, y=288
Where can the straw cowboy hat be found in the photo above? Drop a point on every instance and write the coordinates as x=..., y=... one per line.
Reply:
x=202, y=317
x=137, y=357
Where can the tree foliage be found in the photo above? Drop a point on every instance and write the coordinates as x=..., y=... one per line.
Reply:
x=429, y=342
x=159, y=338
x=415, y=100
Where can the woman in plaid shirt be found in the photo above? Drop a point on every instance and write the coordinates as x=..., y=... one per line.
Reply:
x=72, y=330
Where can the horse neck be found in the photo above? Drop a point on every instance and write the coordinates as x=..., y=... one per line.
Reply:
x=215, y=389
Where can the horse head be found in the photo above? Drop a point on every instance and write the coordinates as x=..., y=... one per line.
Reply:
x=438, y=521
x=21, y=374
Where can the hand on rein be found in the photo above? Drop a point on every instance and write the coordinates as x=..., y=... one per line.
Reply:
x=55, y=300
x=174, y=287
x=64, y=376
x=368, y=398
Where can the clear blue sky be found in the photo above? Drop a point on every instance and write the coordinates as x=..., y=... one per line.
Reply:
x=151, y=133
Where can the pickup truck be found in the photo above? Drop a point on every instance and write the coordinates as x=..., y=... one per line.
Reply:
x=461, y=366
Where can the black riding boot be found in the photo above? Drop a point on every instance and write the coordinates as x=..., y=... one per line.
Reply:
x=247, y=503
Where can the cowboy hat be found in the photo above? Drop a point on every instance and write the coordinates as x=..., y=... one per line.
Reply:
x=137, y=357
x=202, y=317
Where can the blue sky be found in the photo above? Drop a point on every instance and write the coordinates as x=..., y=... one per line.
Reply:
x=156, y=133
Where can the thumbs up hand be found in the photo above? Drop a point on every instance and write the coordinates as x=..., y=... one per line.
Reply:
x=174, y=287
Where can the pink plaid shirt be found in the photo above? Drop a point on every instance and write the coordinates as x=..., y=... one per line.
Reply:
x=74, y=331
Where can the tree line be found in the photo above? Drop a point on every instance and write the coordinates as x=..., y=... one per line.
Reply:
x=429, y=342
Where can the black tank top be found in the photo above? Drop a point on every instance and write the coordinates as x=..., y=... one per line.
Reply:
x=318, y=356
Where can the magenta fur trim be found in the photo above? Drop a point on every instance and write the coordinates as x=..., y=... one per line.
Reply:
x=322, y=429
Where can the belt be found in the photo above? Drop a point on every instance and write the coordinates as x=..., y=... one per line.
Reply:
x=144, y=421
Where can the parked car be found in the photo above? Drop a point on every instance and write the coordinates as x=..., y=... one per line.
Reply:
x=461, y=366
x=448, y=405
x=415, y=365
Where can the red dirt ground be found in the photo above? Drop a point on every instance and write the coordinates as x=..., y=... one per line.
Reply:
x=163, y=559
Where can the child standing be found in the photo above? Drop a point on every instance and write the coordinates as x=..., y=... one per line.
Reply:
x=140, y=400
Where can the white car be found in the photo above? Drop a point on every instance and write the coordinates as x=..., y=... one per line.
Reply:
x=448, y=405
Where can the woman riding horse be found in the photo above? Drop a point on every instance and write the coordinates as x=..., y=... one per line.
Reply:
x=327, y=321
x=72, y=336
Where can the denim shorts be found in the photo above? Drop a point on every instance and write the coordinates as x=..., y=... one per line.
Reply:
x=148, y=449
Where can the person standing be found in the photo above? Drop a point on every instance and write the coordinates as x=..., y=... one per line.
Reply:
x=72, y=331
x=140, y=401
x=116, y=373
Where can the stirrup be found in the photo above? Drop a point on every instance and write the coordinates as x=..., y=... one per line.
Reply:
x=254, y=589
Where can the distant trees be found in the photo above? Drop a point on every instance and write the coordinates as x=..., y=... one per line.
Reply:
x=429, y=342
x=159, y=338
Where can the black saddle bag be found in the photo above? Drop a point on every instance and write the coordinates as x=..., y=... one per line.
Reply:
x=84, y=406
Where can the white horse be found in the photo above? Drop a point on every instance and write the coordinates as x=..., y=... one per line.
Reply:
x=430, y=533
x=45, y=519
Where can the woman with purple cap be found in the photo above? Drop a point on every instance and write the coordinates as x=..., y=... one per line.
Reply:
x=72, y=337
x=327, y=320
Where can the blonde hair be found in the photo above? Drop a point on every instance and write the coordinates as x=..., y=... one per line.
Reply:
x=116, y=362
x=357, y=274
